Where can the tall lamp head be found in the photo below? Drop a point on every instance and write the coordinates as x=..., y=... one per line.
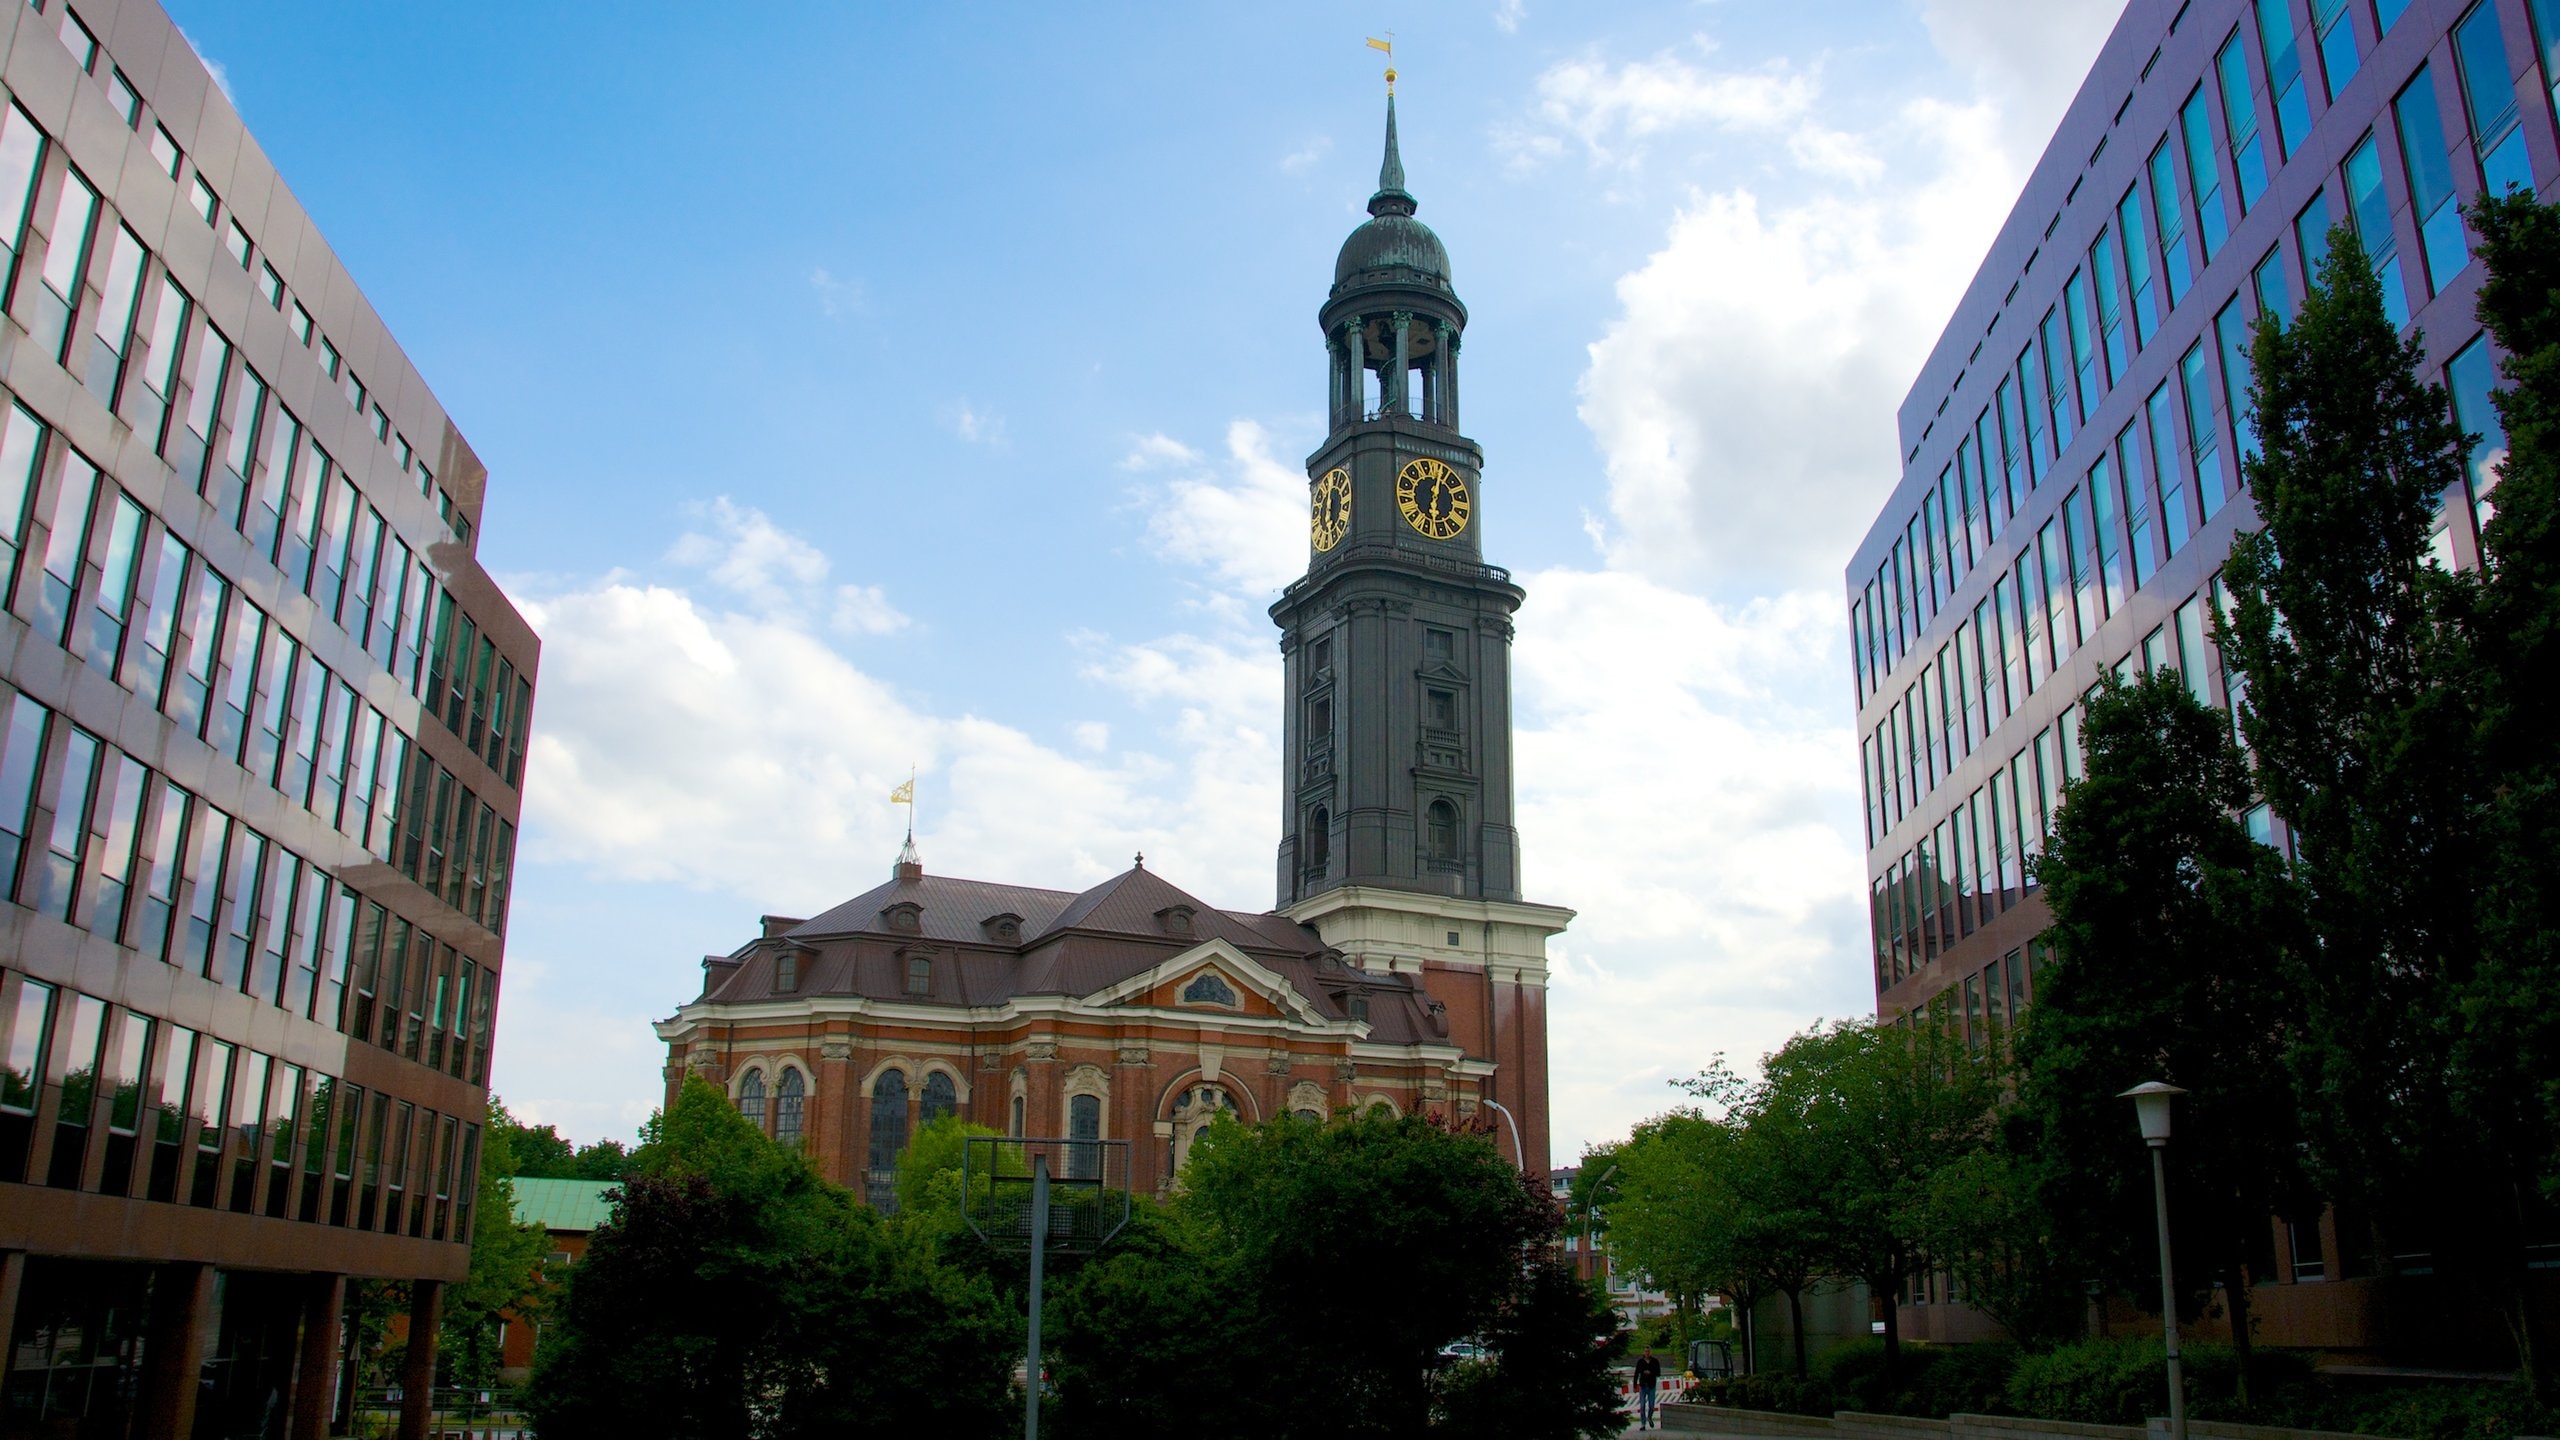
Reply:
x=2151, y=1106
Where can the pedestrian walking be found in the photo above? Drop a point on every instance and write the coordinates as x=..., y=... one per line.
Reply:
x=1648, y=1378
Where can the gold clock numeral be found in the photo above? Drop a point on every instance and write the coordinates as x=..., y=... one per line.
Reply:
x=1331, y=517
x=1432, y=496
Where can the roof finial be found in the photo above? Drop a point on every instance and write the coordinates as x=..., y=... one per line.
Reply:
x=1389, y=46
x=1142, y=859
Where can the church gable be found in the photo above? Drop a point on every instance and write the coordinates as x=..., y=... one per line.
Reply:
x=1213, y=978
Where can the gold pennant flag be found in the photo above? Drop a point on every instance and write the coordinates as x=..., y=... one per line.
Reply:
x=905, y=794
x=1388, y=45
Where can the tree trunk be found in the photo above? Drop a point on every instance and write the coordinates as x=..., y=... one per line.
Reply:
x=1795, y=1322
x=1892, y=1329
x=2235, y=1289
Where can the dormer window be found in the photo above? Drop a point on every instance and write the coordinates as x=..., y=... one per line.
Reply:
x=1175, y=919
x=786, y=972
x=904, y=918
x=1003, y=929
x=919, y=974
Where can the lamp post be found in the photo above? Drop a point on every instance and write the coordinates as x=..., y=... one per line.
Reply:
x=2151, y=1106
x=1590, y=1203
x=1519, y=1155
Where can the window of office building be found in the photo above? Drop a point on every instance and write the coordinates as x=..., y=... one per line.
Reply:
x=2430, y=171
x=2370, y=210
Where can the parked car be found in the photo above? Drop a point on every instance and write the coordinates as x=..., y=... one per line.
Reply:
x=1457, y=1350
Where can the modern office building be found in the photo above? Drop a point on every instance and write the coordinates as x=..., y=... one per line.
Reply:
x=262, y=734
x=2071, y=450
x=1400, y=969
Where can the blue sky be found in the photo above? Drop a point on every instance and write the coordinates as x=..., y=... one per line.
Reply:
x=864, y=386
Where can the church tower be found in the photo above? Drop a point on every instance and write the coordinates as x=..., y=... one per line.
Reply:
x=1398, y=841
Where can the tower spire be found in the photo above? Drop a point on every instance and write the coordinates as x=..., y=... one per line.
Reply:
x=1391, y=198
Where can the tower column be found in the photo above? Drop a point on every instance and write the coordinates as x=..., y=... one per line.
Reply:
x=1355, y=373
x=1404, y=363
x=1448, y=374
x=1340, y=354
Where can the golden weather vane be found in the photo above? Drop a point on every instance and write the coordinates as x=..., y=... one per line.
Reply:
x=1389, y=46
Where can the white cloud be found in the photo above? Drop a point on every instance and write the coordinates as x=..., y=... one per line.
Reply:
x=1093, y=735
x=1157, y=451
x=836, y=297
x=1613, y=110
x=1298, y=161
x=776, y=573
x=1744, y=397
x=1244, y=521
x=1508, y=14
x=865, y=610
x=974, y=423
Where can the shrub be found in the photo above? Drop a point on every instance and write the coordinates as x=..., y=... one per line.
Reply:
x=2096, y=1382
x=1766, y=1391
x=1932, y=1380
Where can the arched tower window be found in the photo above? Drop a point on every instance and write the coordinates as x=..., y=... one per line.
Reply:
x=1084, y=1122
x=1441, y=827
x=788, y=1099
x=1319, y=840
x=888, y=1118
x=940, y=1099
x=1017, y=1117
x=751, y=1098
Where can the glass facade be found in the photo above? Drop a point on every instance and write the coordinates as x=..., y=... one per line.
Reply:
x=262, y=729
x=2106, y=468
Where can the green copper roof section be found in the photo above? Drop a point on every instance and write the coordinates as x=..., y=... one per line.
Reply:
x=571, y=1206
x=1391, y=198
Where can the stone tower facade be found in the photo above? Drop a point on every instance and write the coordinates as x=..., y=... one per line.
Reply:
x=1398, y=841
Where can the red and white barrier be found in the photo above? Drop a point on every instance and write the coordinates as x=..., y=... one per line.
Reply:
x=1665, y=1390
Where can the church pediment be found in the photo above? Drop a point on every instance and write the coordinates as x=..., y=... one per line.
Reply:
x=1213, y=978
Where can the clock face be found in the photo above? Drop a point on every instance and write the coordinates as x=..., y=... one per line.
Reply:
x=1433, y=498
x=1332, y=504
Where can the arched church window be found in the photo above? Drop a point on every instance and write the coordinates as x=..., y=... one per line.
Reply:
x=1319, y=839
x=1017, y=1116
x=1194, y=1110
x=1084, y=1123
x=888, y=1118
x=751, y=1098
x=940, y=1099
x=1443, y=830
x=788, y=1098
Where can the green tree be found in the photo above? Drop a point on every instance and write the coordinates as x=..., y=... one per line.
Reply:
x=1865, y=1118
x=2510, y=1037
x=735, y=1293
x=2178, y=956
x=506, y=1265
x=2366, y=699
x=1303, y=1280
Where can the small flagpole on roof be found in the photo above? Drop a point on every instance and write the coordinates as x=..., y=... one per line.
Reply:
x=905, y=794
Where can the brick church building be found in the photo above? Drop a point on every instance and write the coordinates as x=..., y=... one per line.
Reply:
x=1400, y=967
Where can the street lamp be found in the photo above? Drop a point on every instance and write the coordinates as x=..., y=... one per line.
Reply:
x=1590, y=1202
x=1519, y=1156
x=2151, y=1107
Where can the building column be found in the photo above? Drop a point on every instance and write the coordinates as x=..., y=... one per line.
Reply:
x=1398, y=401
x=13, y=1272
x=315, y=1380
x=1449, y=375
x=418, y=1370
x=173, y=1354
x=1354, y=392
